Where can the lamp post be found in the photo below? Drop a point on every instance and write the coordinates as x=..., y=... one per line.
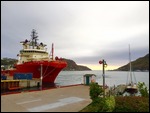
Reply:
x=104, y=64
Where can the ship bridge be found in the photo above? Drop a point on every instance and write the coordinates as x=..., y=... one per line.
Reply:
x=32, y=50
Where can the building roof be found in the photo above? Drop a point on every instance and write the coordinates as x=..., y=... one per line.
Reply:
x=89, y=75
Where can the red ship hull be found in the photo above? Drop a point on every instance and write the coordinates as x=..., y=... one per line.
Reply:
x=48, y=69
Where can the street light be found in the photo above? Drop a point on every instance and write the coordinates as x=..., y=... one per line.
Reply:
x=104, y=65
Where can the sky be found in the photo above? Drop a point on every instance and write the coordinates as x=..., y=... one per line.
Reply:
x=83, y=31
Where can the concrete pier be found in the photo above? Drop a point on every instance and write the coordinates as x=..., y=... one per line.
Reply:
x=63, y=99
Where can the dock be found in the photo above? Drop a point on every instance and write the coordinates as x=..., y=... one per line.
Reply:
x=61, y=99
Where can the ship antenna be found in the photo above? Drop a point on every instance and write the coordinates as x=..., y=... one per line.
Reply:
x=34, y=38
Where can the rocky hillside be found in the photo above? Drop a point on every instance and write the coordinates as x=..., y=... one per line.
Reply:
x=72, y=66
x=141, y=64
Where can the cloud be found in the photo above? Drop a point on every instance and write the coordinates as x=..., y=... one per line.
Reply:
x=85, y=31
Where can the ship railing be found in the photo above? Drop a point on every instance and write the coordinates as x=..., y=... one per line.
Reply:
x=35, y=49
x=43, y=58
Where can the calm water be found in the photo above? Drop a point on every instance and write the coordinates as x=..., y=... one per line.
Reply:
x=76, y=77
x=111, y=77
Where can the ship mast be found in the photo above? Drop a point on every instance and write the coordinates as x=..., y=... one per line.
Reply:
x=34, y=38
x=130, y=65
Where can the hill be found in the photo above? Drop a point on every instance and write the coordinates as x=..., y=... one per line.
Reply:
x=8, y=61
x=141, y=64
x=72, y=66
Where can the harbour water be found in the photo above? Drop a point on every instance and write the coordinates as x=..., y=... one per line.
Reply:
x=111, y=77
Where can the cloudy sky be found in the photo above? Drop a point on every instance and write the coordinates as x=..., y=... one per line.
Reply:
x=84, y=31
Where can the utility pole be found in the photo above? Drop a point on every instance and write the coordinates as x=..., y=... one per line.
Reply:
x=103, y=78
x=103, y=62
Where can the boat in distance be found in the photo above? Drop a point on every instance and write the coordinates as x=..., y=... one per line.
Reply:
x=35, y=59
x=131, y=86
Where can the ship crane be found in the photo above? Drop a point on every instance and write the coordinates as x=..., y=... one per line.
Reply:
x=52, y=52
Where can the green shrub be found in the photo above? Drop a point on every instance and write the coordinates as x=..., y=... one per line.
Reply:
x=95, y=91
x=108, y=104
x=143, y=89
x=101, y=105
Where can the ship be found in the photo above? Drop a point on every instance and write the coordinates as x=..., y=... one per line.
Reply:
x=34, y=58
x=131, y=86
